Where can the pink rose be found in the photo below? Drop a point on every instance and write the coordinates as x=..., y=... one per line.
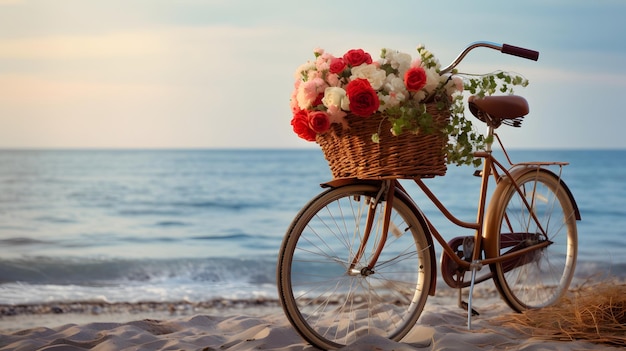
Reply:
x=415, y=79
x=356, y=57
x=300, y=124
x=363, y=98
x=319, y=121
x=309, y=91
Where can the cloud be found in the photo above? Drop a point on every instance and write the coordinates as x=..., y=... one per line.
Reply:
x=18, y=89
x=194, y=86
x=80, y=46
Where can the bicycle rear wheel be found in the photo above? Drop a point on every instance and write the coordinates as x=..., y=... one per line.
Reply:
x=539, y=278
x=331, y=304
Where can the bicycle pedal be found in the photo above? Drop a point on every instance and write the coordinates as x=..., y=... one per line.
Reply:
x=464, y=306
x=479, y=173
x=468, y=248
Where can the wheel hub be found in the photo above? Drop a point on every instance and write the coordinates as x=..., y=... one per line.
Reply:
x=365, y=271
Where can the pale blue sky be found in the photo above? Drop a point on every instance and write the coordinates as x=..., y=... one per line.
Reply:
x=198, y=73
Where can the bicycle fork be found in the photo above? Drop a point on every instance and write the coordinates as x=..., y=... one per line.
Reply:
x=387, y=190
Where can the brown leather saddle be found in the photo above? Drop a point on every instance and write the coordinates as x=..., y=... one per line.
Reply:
x=496, y=110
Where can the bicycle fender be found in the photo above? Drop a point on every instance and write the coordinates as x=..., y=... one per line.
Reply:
x=490, y=225
x=339, y=182
x=523, y=170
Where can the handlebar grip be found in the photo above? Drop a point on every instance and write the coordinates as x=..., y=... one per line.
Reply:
x=521, y=52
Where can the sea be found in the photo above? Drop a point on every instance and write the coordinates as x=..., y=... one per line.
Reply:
x=197, y=225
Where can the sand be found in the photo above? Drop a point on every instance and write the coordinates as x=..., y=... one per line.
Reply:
x=251, y=325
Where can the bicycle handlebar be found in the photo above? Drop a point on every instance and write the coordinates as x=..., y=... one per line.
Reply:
x=503, y=48
x=521, y=52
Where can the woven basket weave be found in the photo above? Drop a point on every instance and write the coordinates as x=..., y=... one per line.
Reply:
x=351, y=153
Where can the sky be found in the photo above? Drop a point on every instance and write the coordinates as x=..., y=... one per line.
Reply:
x=219, y=73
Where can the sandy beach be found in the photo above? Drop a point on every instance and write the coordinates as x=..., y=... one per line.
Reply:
x=249, y=325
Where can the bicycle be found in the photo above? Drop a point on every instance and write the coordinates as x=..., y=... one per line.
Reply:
x=359, y=258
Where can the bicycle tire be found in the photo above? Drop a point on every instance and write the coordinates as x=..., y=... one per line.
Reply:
x=331, y=308
x=540, y=278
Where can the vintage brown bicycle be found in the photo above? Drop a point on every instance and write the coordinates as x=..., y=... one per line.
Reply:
x=359, y=258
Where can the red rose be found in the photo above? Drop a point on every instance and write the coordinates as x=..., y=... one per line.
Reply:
x=319, y=121
x=356, y=57
x=300, y=124
x=337, y=65
x=318, y=99
x=415, y=79
x=363, y=98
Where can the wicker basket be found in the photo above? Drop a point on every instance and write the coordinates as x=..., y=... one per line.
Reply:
x=351, y=153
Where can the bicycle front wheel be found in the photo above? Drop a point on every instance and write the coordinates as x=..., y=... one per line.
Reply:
x=332, y=298
x=539, y=210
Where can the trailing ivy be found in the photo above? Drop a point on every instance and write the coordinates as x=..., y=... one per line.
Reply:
x=463, y=139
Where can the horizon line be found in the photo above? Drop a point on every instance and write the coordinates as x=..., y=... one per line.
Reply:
x=266, y=148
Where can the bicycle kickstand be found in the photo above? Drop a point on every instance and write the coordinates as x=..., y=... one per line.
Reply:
x=475, y=267
x=463, y=304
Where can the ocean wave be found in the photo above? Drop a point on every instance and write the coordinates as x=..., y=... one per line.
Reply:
x=219, y=204
x=101, y=272
x=171, y=224
x=602, y=212
x=51, y=219
x=20, y=241
x=42, y=279
x=258, y=238
x=28, y=294
x=150, y=212
x=598, y=270
x=182, y=209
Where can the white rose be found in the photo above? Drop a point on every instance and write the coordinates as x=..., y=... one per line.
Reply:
x=432, y=80
x=373, y=74
x=394, y=83
x=335, y=96
x=454, y=85
x=345, y=104
x=398, y=60
x=391, y=100
x=403, y=62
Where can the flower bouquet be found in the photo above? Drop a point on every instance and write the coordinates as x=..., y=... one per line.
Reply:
x=396, y=117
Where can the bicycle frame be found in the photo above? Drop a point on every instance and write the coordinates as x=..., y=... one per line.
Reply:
x=491, y=167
